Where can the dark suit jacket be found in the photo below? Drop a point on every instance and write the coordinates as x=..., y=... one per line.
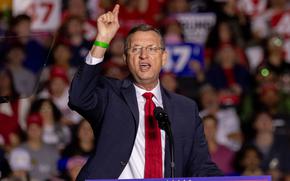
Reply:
x=111, y=107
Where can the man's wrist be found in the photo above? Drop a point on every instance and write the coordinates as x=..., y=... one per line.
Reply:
x=101, y=44
x=99, y=51
x=104, y=39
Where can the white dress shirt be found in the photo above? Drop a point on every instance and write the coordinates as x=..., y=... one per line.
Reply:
x=136, y=164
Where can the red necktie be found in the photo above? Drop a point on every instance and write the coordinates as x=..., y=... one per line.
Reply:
x=153, y=152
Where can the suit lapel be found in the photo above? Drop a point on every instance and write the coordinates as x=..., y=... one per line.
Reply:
x=129, y=94
x=168, y=107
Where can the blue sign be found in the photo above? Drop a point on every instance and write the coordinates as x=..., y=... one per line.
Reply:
x=180, y=56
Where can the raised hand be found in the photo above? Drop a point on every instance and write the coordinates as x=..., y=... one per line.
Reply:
x=108, y=25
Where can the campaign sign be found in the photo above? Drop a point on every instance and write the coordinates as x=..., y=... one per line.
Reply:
x=196, y=26
x=45, y=14
x=180, y=56
x=227, y=178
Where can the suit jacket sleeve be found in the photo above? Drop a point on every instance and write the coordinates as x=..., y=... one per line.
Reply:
x=88, y=93
x=200, y=164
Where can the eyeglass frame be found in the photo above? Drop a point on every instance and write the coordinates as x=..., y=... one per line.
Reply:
x=150, y=49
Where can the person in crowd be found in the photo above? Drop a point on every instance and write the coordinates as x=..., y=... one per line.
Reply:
x=221, y=35
x=75, y=8
x=228, y=123
x=82, y=143
x=81, y=146
x=61, y=57
x=54, y=132
x=172, y=31
x=13, y=111
x=20, y=30
x=57, y=91
x=239, y=23
x=274, y=147
x=71, y=33
x=23, y=78
x=44, y=157
x=274, y=58
x=263, y=78
x=220, y=154
x=248, y=161
x=270, y=100
x=231, y=80
x=82, y=10
x=112, y=107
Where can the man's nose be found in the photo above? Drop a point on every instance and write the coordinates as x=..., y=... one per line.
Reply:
x=143, y=53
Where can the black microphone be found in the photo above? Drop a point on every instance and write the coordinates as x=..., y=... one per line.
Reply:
x=164, y=124
x=162, y=118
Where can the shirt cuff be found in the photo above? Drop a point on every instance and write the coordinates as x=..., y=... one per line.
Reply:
x=90, y=60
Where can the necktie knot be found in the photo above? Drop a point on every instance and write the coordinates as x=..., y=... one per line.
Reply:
x=148, y=95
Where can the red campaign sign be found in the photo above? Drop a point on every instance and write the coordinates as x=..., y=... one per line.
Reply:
x=45, y=14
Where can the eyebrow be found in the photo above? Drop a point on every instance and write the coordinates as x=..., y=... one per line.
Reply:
x=144, y=46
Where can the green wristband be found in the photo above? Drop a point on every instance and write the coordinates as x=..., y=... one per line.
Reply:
x=101, y=44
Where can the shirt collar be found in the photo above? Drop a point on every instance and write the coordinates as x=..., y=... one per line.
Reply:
x=156, y=91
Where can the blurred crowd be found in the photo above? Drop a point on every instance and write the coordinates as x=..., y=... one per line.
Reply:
x=242, y=86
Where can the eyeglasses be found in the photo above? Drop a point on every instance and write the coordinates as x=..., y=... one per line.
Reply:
x=149, y=49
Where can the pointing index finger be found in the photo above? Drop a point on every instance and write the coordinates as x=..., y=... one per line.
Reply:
x=116, y=10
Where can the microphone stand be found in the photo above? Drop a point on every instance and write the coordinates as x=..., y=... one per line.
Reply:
x=171, y=145
x=164, y=124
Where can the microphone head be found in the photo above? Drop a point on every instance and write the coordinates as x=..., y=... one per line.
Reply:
x=161, y=117
x=159, y=113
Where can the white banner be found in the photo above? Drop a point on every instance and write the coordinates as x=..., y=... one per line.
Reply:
x=196, y=26
x=45, y=14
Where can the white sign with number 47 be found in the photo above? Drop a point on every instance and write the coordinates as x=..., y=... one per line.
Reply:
x=45, y=14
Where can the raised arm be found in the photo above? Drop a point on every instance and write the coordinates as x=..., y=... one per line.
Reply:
x=86, y=93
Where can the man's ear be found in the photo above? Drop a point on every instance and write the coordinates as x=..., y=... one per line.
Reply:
x=125, y=58
x=164, y=57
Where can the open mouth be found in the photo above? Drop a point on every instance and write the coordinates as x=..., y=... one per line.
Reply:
x=144, y=66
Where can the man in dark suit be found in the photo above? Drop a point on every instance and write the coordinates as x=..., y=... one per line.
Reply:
x=129, y=143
